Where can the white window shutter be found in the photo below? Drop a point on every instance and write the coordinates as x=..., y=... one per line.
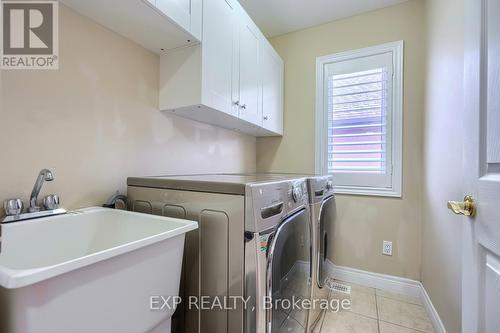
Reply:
x=359, y=117
x=357, y=122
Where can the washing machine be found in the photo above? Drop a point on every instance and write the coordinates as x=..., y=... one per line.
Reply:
x=322, y=209
x=253, y=242
x=323, y=213
x=280, y=236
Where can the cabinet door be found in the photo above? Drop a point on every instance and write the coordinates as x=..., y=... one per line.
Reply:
x=219, y=18
x=250, y=71
x=272, y=90
x=177, y=10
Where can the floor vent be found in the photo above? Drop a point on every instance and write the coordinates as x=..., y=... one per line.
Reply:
x=338, y=287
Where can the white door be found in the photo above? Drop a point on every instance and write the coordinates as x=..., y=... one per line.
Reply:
x=219, y=26
x=249, y=74
x=272, y=90
x=481, y=234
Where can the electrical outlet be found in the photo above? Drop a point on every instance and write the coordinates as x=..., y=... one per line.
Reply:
x=387, y=248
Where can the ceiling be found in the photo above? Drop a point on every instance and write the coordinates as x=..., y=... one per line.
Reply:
x=277, y=17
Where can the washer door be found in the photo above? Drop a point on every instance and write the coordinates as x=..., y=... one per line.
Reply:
x=326, y=220
x=289, y=273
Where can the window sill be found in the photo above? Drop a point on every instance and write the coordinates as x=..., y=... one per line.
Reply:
x=368, y=191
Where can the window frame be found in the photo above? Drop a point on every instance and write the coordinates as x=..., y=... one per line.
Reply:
x=321, y=139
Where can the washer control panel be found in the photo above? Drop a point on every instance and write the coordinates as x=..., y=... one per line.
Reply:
x=271, y=202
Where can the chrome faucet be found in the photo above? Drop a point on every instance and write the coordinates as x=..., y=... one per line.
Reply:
x=44, y=175
x=14, y=207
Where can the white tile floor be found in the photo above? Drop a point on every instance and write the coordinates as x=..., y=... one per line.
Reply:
x=376, y=311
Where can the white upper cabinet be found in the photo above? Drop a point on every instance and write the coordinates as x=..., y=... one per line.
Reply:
x=186, y=13
x=223, y=81
x=249, y=72
x=219, y=28
x=157, y=25
x=272, y=89
x=178, y=10
x=216, y=66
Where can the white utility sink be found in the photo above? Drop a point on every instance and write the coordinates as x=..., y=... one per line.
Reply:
x=92, y=270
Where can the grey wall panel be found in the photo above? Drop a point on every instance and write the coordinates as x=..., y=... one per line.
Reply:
x=213, y=254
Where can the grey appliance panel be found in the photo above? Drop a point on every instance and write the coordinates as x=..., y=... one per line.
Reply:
x=215, y=249
x=213, y=183
x=262, y=199
x=318, y=293
x=189, y=184
x=214, y=260
x=323, y=216
x=322, y=206
x=326, y=228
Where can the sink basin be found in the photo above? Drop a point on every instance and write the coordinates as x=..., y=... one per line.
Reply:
x=92, y=270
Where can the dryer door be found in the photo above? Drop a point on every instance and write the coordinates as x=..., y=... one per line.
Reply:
x=326, y=220
x=289, y=273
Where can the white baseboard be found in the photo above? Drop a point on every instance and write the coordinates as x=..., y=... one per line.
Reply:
x=431, y=311
x=388, y=283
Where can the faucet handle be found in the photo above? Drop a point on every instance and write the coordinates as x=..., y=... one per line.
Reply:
x=13, y=207
x=51, y=202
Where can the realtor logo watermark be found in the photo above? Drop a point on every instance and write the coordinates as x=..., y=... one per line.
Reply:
x=165, y=303
x=29, y=34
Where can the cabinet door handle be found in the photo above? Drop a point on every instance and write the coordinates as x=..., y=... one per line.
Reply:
x=237, y=103
x=266, y=118
x=244, y=106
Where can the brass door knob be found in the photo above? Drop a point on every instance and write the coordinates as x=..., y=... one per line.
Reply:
x=466, y=207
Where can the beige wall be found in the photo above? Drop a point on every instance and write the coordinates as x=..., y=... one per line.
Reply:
x=441, y=247
x=363, y=222
x=95, y=121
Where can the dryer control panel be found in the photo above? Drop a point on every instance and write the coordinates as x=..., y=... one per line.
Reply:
x=320, y=187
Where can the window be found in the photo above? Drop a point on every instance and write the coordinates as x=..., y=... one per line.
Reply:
x=359, y=119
